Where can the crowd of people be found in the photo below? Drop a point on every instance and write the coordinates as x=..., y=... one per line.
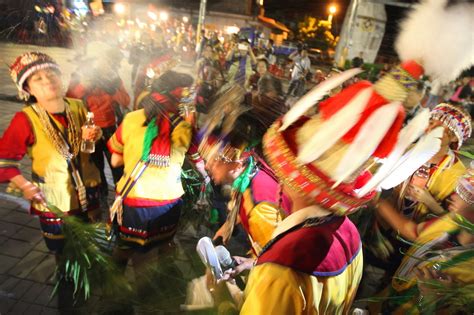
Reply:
x=353, y=197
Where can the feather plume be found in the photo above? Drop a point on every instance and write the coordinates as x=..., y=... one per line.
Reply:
x=424, y=150
x=367, y=140
x=333, y=129
x=409, y=134
x=435, y=34
x=313, y=96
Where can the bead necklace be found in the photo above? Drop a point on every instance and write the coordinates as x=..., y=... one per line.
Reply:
x=61, y=145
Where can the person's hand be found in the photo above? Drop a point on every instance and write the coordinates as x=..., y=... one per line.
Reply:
x=421, y=195
x=244, y=263
x=456, y=204
x=91, y=134
x=426, y=276
x=32, y=193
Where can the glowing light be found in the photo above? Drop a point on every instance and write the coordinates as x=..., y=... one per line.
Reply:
x=120, y=8
x=332, y=9
x=150, y=73
x=232, y=29
x=152, y=15
x=37, y=8
x=164, y=16
x=185, y=19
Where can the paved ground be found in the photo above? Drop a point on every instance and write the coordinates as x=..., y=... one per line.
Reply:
x=26, y=267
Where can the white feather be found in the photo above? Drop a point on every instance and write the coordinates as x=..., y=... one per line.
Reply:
x=409, y=134
x=440, y=37
x=333, y=129
x=367, y=140
x=313, y=96
x=421, y=153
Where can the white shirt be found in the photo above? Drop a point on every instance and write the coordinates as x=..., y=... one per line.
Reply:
x=301, y=65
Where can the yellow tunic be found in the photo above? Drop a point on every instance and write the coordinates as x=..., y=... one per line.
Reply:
x=51, y=167
x=156, y=183
x=273, y=288
x=440, y=185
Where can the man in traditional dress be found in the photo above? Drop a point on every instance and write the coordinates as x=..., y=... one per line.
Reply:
x=257, y=201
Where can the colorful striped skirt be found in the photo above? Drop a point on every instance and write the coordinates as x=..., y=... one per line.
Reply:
x=144, y=226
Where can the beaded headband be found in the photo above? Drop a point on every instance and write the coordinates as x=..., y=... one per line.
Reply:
x=455, y=119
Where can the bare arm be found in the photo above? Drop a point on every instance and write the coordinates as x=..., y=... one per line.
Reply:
x=230, y=54
x=293, y=55
x=30, y=191
x=116, y=160
x=397, y=221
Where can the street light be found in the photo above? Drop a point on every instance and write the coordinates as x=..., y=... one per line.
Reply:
x=152, y=15
x=119, y=8
x=185, y=19
x=332, y=11
x=163, y=15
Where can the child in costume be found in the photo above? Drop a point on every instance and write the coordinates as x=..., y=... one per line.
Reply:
x=48, y=129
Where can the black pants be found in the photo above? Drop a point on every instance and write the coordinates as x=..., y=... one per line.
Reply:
x=296, y=88
x=98, y=157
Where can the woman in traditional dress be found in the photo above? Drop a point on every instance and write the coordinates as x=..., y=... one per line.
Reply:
x=48, y=129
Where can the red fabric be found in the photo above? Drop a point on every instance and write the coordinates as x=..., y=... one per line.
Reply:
x=169, y=104
x=141, y=202
x=413, y=68
x=390, y=140
x=76, y=91
x=118, y=137
x=333, y=245
x=341, y=198
x=100, y=102
x=162, y=143
x=121, y=96
x=332, y=105
x=15, y=141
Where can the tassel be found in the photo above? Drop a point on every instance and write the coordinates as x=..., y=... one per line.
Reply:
x=408, y=135
x=316, y=94
x=367, y=140
x=333, y=129
x=421, y=153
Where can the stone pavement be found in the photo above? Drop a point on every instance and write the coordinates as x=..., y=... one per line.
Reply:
x=26, y=267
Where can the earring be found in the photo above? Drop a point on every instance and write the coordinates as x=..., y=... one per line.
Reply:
x=23, y=95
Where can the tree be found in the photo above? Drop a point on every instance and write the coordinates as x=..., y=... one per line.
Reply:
x=316, y=33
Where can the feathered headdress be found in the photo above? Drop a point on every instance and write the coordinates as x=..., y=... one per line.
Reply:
x=327, y=157
x=438, y=35
x=232, y=128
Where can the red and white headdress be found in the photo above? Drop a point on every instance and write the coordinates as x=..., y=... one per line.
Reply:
x=328, y=157
x=455, y=119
